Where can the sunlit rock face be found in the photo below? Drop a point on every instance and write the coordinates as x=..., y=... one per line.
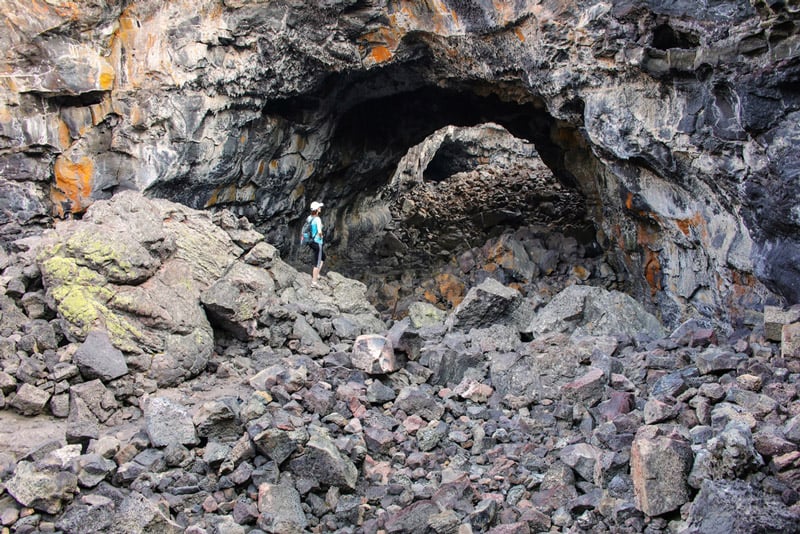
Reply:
x=671, y=127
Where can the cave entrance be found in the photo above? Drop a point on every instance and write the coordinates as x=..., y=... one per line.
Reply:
x=414, y=180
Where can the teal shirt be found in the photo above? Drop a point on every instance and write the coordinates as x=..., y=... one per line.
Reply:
x=316, y=229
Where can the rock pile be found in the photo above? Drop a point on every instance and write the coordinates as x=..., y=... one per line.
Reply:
x=220, y=393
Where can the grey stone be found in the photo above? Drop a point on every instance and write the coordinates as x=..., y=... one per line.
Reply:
x=724, y=506
x=93, y=469
x=776, y=317
x=730, y=454
x=424, y=314
x=660, y=465
x=420, y=401
x=715, y=360
x=373, y=354
x=583, y=458
x=219, y=420
x=587, y=389
x=139, y=515
x=323, y=461
x=90, y=405
x=281, y=508
x=488, y=303
x=43, y=489
x=30, y=400
x=588, y=310
x=93, y=513
x=98, y=358
x=168, y=423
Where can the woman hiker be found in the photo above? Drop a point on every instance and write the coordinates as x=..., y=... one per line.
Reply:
x=312, y=234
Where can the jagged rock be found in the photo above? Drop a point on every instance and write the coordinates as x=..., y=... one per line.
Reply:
x=168, y=423
x=8, y=384
x=424, y=314
x=98, y=358
x=92, y=513
x=219, y=420
x=582, y=457
x=538, y=370
x=232, y=301
x=593, y=311
x=373, y=354
x=490, y=303
x=419, y=401
x=137, y=514
x=724, y=506
x=731, y=454
x=13, y=317
x=90, y=404
x=660, y=465
x=776, y=317
x=792, y=429
x=450, y=360
x=322, y=461
x=289, y=374
x=412, y=518
x=281, y=508
x=587, y=389
x=44, y=489
x=279, y=444
x=790, y=341
x=92, y=469
x=714, y=360
x=30, y=400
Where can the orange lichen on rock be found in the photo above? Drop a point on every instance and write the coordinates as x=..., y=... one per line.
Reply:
x=72, y=190
x=380, y=54
x=231, y=193
x=652, y=264
x=693, y=225
x=451, y=288
x=652, y=271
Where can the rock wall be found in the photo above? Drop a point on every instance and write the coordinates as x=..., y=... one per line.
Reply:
x=676, y=121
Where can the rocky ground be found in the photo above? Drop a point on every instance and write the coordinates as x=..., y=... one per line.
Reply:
x=164, y=370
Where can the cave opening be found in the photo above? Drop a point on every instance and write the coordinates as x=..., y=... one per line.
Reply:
x=466, y=194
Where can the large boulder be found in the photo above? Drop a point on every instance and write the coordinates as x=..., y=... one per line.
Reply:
x=594, y=311
x=134, y=269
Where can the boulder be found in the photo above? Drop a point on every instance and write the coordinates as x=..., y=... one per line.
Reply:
x=232, y=302
x=373, y=354
x=489, y=303
x=280, y=508
x=137, y=514
x=135, y=268
x=30, y=400
x=322, y=461
x=594, y=311
x=660, y=465
x=725, y=506
x=44, y=489
x=168, y=423
x=98, y=358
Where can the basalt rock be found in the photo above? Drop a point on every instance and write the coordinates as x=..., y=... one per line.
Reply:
x=662, y=135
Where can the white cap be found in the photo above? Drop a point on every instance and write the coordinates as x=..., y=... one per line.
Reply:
x=316, y=205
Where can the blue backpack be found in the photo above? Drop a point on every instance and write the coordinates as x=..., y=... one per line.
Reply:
x=305, y=236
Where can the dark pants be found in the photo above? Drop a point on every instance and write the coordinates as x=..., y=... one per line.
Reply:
x=318, y=253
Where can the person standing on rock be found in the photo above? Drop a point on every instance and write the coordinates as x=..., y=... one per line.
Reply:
x=315, y=241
